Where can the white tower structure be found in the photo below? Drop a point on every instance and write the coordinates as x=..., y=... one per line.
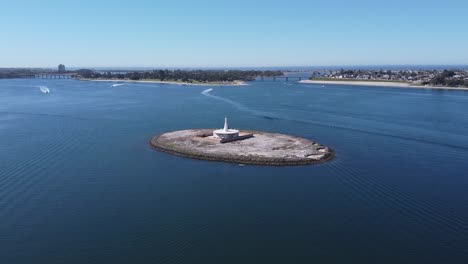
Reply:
x=226, y=125
x=226, y=132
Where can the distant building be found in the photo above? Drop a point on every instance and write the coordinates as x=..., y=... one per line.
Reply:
x=61, y=68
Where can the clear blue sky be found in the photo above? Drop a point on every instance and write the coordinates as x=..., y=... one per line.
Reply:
x=152, y=33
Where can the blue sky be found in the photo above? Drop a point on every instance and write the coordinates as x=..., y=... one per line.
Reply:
x=237, y=33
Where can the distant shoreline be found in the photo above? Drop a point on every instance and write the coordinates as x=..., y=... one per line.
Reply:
x=380, y=84
x=234, y=83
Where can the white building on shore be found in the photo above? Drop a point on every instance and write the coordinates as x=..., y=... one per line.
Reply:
x=226, y=132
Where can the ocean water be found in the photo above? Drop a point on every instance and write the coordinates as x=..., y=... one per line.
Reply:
x=80, y=184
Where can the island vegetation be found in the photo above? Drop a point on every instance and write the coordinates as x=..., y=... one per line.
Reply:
x=176, y=76
x=12, y=73
x=184, y=76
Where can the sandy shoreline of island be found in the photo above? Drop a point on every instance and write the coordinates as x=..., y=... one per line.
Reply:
x=235, y=83
x=381, y=84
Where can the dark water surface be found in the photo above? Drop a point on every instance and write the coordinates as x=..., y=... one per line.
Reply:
x=79, y=183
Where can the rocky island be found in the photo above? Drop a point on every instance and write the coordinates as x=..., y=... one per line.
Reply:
x=243, y=147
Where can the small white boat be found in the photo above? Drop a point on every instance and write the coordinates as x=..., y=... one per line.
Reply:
x=44, y=89
x=117, y=84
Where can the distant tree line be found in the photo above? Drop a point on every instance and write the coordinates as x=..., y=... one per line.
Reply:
x=8, y=73
x=447, y=78
x=182, y=75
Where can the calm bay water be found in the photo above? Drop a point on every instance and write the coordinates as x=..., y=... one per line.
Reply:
x=79, y=183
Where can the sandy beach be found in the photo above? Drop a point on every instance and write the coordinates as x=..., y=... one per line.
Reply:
x=381, y=84
x=235, y=83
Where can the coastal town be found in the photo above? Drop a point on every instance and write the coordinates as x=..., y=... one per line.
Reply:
x=432, y=77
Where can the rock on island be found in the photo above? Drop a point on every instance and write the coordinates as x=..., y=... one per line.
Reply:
x=248, y=147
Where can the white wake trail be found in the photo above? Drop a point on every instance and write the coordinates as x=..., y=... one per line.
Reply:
x=204, y=92
x=238, y=105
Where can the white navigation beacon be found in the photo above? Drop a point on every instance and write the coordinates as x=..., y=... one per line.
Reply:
x=226, y=132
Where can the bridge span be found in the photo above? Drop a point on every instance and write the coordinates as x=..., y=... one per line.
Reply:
x=286, y=78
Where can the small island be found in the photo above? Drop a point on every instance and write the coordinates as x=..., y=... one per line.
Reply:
x=242, y=147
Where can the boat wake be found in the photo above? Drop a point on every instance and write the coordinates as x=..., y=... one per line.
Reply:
x=240, y=106
x=117, y=84
x=44, y=89
x=205, y=92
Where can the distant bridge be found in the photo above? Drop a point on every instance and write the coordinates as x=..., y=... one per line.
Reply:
x=52, y=76
x=286, y=78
